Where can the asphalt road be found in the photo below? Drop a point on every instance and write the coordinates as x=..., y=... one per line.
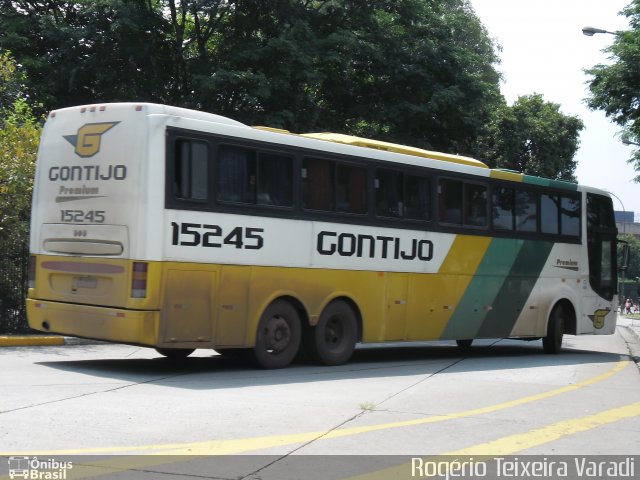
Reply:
x=501, y=398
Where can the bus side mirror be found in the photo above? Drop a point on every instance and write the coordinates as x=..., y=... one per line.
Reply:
x=626, y=256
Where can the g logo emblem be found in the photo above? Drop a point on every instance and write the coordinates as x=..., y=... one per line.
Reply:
x=87, y=140
x=598, y=318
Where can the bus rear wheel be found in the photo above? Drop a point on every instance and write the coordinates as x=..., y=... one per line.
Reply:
x=333, y=340
x=279, y=335
x=552, y=343
x=175, y=353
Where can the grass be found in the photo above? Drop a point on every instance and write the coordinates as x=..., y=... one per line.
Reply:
x=367, y=406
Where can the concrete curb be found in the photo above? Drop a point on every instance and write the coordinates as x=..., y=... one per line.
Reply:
x=30, y=340
x=43, y=341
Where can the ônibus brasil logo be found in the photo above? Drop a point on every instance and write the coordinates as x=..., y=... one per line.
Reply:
x=34, y=469
x=87, y=140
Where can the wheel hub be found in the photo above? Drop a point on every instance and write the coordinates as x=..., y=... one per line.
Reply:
x=277, y=334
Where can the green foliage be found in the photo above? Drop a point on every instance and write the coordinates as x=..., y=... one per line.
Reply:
x=532, y=136
x=19, y=137
x=11, y=81
x=615, y=88
x=634, y=264
x=414, y=72
x=79, y=52
x=411, y=71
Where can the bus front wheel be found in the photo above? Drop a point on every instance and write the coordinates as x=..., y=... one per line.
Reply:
x=552, y=343
x=278, y=336
x=333, y=340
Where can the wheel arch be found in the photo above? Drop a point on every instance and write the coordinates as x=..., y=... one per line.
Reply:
x=258, y=309
x=570, y=320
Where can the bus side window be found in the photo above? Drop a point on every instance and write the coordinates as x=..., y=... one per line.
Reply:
x=502, y=208
x=549, y=211
x=191, y=170
x=526, y=210
x=417, y=198
x=236, y=174
x=317, y=184
x=450, y=201
x=388, y=186
x=475, y=205
x=275, y=180
x=570, y=216
x=351, y=189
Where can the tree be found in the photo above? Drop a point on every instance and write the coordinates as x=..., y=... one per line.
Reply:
x=633, y=271
x=92, y=51
x=19, y=138
x=410, y=71
x=11, y=82
x=534, y=137
x=615, y=88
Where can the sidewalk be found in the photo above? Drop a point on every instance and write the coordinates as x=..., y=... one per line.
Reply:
x=633, y=324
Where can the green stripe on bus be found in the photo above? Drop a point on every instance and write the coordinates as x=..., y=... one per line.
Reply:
x=515, y=290
x=546, y=182
x=487, y=282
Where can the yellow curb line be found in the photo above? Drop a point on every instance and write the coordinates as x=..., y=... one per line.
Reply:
x=29, y=340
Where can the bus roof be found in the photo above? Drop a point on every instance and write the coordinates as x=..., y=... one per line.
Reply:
x=392, y=147
x=151, y=109
x=159, y=109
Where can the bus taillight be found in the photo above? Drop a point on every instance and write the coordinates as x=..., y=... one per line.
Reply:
x=31, y=276
x=139, y=280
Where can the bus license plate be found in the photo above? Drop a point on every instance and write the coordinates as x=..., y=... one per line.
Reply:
x=85, y=282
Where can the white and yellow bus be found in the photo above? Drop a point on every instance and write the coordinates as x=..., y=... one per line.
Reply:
x=176, y=229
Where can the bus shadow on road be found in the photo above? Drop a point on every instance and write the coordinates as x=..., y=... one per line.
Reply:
x=371, y=361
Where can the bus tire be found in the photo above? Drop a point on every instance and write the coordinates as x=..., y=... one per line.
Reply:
x=279, y=335
x=552, y=343
x=333, y=340
x=464, y=344
x=175, y=353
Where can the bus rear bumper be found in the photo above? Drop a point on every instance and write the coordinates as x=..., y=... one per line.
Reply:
x=101, y=323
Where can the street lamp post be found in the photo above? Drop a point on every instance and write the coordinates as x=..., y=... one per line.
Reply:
x=624, y=212
x=591, y=31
